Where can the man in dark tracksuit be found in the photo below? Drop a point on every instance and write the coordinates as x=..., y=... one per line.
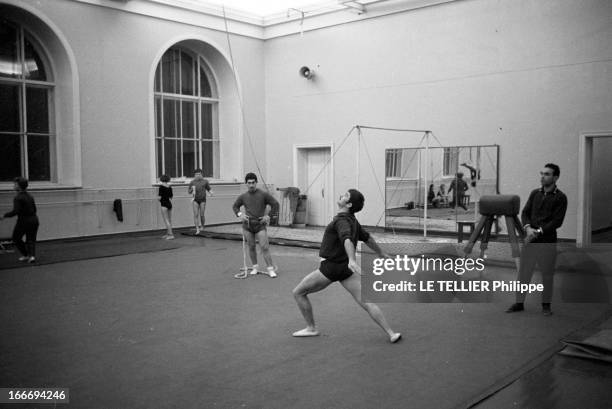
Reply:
x=27, y=221
x=542, y=216
x=339, y=263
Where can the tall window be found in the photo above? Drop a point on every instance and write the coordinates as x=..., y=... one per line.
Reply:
x=393, y=163
x=186, y=109
x=26, y=136
x=451, y=161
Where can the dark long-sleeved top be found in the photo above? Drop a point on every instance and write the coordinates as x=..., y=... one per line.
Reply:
x=23, y=206
x=255, y=203
x=344, y=226
x=545, y=210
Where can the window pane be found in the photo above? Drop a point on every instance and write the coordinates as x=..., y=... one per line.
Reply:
x=205, y=90
x=158, y=117
x=158, y=155
x=170, y=77
x=187, y=74
x=157, y=87
x=37, y=102
x=34, y=68
x=188, y=157
x=171, y=123
x=39, y=165
x=207, y=159
x=9, y=64
x=9, y=108
x=207, y=128
x=171, y=159
x=10, y=154
x=188, y=120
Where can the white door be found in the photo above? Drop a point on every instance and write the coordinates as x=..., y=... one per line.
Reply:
x=318, y=176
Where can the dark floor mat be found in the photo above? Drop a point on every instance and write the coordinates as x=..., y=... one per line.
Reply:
x=60, y=251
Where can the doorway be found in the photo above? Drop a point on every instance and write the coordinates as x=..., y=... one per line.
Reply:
x=594, y=192
x=313, y=175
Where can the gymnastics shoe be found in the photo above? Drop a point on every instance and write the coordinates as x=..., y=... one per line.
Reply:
x=271, y=272
x=170, y=237
x=23, y=258
x=516, y=307
x=253, y=270
x=31, y=259
x=395, y=337
x=306, y=332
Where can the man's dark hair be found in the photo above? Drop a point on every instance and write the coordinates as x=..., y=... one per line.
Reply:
x=555, y=168
x=198, y=170
x=164, y=178
x=22, y=183
x=356, y=200
x=250, y=176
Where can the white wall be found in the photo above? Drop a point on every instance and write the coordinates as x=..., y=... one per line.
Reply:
x=115, y=54
x=529, y=75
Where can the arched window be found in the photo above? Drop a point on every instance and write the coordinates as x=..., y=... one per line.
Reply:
x=27, y=139
x=186, y=116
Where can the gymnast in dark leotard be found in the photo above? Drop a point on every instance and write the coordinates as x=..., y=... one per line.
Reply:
x=165, y=199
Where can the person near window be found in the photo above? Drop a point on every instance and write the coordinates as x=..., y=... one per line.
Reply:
x=198, y=187
x=165, y=200
x=459, y=186
x=27, y=224
x=441, y=198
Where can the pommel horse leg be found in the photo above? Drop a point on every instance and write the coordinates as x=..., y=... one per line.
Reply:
x=511, y=223
x=474, y=236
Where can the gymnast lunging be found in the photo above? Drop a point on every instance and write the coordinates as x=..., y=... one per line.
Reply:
x=339, y=264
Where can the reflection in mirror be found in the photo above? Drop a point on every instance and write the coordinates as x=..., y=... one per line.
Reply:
x=444, y=183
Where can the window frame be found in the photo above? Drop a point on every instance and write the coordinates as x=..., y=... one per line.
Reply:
x=23, y=84
x=393, y=171
x=199, y=64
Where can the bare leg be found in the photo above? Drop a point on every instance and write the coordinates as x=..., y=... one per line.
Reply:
x=353, y=286
x=196, y=215
x=312, y=283
x=262, y=236
x=167, y=216
x=202, y=209
x=251, y=242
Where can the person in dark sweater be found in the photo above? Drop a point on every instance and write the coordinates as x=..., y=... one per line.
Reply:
x=339, y=264
x=27, y=221
x=258, y=205
x=542, y=215
x=165, y=200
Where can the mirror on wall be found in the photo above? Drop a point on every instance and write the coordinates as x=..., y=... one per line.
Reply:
x=435, y=188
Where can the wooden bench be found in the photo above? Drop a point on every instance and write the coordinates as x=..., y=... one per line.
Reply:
x=461, y=231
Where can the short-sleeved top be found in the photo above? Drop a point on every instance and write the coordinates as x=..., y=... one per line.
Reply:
x=165, y=194
x=344, y=226
x=200, y=185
